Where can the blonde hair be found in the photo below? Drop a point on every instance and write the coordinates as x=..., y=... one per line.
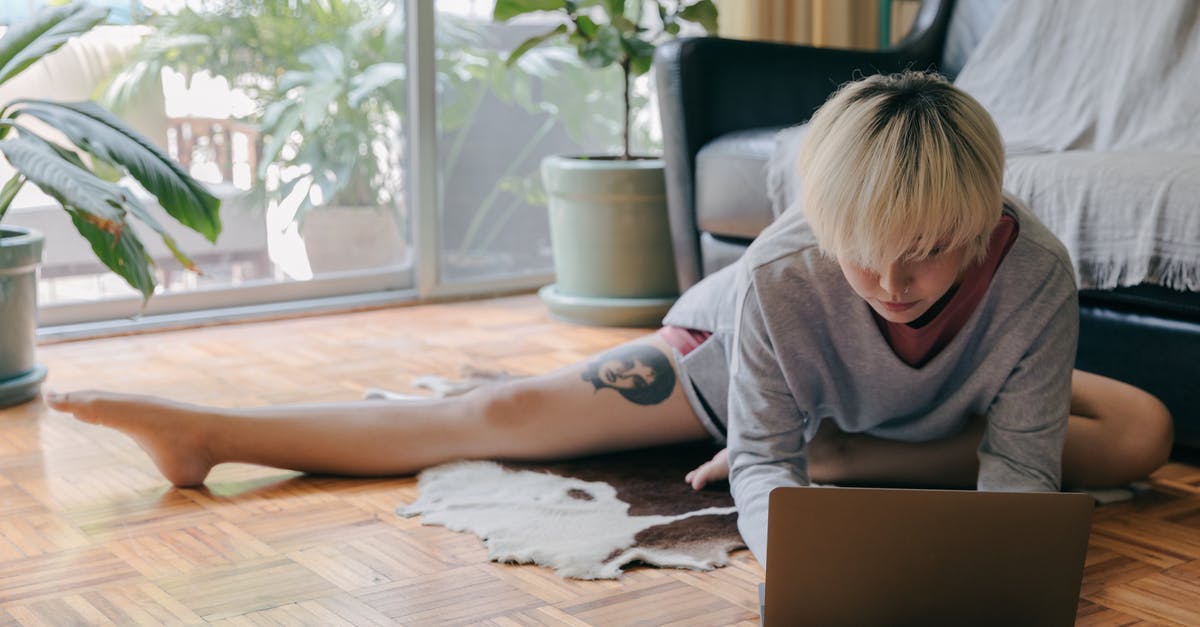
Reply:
x=896, y=166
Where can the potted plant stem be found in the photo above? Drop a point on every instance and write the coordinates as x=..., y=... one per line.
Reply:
x=80, y=164
x=613, y=261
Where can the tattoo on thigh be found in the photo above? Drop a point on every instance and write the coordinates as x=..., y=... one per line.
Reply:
x=641, y=373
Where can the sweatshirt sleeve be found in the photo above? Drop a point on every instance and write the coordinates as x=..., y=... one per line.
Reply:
x=1022, y=446
x=766, y=428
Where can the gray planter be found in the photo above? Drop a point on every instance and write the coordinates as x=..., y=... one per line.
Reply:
x=20, y=374
x=613, y=262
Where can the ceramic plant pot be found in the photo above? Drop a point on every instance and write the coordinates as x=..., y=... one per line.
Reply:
x=20, y=374
x=613, y=261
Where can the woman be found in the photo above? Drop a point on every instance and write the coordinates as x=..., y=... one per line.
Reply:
x=910, y=325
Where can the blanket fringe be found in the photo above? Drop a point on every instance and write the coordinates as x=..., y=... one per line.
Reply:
x=1110, y=273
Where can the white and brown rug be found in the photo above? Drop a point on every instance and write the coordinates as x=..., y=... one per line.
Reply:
x=586, y=518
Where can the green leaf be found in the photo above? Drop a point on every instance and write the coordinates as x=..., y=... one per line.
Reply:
x=330, y=185
x=293, y=79
x=67, y=154
x=703, y=13
x=374, y=77
x=10, y=192
x=624, y=24
x=544, y=63
x=324, y=59
x=106, y=169
x=45, y=32
x=287, y=122
x=140, y=212
x=97, y=207
x=616, y=7
x=316, y=103
x=76, y=188
x=273, y=113
x=605, y=50
x=641, y=55
x=507, y=9
x=586, y=26
x=122, y=253
x=533, y=42
x=98, y=132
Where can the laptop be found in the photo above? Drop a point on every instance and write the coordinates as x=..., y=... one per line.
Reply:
x=866, y=556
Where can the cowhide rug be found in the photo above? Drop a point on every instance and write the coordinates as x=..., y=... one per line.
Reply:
x=586, y=518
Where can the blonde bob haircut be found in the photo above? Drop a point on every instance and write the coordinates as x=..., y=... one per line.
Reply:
x=896, y=167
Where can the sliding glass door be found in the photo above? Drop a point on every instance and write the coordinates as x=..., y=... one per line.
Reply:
x=360, y=148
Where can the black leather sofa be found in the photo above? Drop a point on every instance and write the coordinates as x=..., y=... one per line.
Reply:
x=722, y=101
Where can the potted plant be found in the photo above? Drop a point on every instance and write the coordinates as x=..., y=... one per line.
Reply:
x=608, y=219
x=326, y=88
x=81, y=164
x=334, y=132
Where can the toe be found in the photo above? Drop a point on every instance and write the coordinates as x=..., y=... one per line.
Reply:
x=62, y=401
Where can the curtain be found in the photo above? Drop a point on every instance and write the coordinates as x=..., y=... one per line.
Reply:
x=831, y=23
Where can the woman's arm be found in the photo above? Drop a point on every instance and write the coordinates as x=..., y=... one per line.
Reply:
x=1022, y=444
x=766, y=427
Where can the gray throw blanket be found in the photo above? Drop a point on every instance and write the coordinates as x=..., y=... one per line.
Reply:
x=1098, y=102
x=1097, y=75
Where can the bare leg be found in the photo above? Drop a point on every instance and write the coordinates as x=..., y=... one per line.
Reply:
x=1117, y=434
x=624, y=398
x=1128, y=437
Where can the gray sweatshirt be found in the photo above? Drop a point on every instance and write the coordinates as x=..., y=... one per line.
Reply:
x=803, y=347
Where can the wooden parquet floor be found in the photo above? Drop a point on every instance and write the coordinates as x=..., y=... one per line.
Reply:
x=90, y=534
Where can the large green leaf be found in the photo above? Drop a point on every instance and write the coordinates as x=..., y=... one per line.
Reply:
x=97, y=207
x=324, y=59
x=374, y=77
x=641, y=55
x=140, y=212
x=74, y=187
x=122, y=253
x=317, y=101
x=624, y=24
x=506, y=9
x=285, y=117
x=98, y=132
x=320, y=86
x=45, y=32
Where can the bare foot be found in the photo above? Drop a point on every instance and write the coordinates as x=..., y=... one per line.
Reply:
x=714, y=469
x=168, y=432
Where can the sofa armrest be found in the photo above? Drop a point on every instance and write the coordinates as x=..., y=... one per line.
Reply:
x=711, y=86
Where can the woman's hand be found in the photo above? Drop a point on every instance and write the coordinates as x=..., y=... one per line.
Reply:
x=714, y=469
